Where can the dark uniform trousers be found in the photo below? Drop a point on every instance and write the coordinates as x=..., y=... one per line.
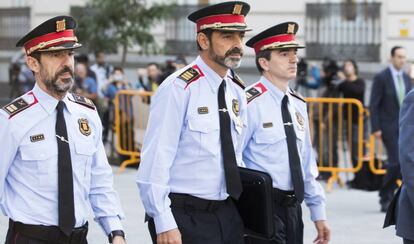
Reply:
x=203, y=221
x=19, y=233
x=389, y=184
x=406, y=241
x=287, y=220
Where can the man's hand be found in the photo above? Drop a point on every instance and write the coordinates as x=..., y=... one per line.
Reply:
x=324, y=233
x=377, y=134
x=118, y=240
x=169, y=237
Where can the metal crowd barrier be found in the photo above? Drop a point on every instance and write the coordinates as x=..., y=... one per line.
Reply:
x=131, y=117
x=330, y=121
x=331, y=131
x=331, y=126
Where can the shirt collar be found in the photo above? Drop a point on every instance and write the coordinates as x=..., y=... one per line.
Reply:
x=48, y=102
x=69, y=104
x=394, y=71
x=213, y=79
x=274, y=90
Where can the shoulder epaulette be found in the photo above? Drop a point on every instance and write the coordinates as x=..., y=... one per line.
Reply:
x=297, y=95
x=255, y=91
x=236, y=79
x=191, y=74
x=18, y=105
x=81, y=100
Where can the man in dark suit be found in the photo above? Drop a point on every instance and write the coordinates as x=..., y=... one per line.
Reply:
x=388, y=91
x=405, y=206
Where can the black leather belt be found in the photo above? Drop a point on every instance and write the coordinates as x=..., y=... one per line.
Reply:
x=191, y=202
x=284, y=198
x=49, y=233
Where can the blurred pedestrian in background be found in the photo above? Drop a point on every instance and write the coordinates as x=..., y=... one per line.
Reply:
x=352, y=87
x=84, y=84
x=388, y=90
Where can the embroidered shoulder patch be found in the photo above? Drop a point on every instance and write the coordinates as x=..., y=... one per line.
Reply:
x=81, y=100
x=16, y=106
x=20, y=104
x=255, y=91
x=297, y=95
x=191, y=74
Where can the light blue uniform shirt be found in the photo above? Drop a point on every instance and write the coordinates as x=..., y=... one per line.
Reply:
x=29, y=168
x=265, y=146
x=182, y=149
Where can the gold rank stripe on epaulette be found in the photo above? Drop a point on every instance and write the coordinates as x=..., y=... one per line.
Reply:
x=297, y=95
x=255, y=91
x=236, y=79
x=81, y=100
x=191, y=74
x=19, y=105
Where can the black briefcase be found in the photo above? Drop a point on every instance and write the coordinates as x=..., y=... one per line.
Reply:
x=365, y=179
x=256, y=203
x=391, y=215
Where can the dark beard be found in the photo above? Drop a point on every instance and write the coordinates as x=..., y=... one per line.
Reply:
x=52, y=84
x=221, y=60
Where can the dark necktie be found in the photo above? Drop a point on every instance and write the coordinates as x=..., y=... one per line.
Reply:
x=294, y=160
x=233, y=182
x=65, y=179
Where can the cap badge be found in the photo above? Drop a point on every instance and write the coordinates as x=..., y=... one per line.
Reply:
x=291, y=29
x=237, y=9
x=60, y=25
x=84, y=127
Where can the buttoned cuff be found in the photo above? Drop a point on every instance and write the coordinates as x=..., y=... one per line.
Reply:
x=164, y=222
x=110, y=224
x=318, y=212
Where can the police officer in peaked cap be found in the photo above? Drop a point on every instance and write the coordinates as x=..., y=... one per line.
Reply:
x=188, y=176
x=53, y=163
x=278, y=138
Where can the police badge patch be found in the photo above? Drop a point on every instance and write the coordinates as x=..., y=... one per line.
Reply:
x=236, y=108
x=84, y=127
x=300, y=120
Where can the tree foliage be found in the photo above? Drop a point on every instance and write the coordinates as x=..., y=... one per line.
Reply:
x=106, y=25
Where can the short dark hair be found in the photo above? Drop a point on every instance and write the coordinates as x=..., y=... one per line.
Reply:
x=262, y=54
x=82, y=58
x=208, y=33
x=353, y=62
x=394, y=49
x=117, y=68
x=153, y=63
x=36, y=55
x=98, y=52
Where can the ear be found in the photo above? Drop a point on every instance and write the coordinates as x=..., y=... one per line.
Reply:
x=33, y=64
x=203, y=41
x=264, y=63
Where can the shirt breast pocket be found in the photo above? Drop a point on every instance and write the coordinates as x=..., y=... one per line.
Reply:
x=42, y=159
x=300, y=138
x=269, y=136
x=85, y=151
x=207, y=133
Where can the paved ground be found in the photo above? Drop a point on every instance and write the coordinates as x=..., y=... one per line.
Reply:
x=354, y=217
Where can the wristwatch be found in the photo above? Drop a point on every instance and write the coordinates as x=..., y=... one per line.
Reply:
x=115, y=233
